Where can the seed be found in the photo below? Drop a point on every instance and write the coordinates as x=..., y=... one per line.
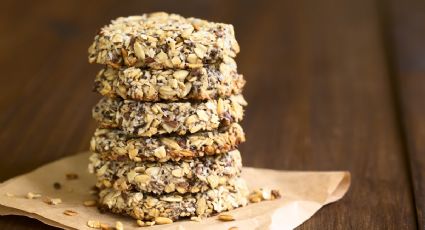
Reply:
x=200, y=50
x=138, y=50
x=161, y=57
x=93, y=224
x=177, y=172
x=132, y=153
x=202, y=115
x=201, y=206
x=138, y=213
x=167, y=91
x=160, y=152
x=180, y=74
x=113, y=65
x=70, y=213
x=192, y=58
x=119, y=225
x=220, y=106
x=140, y=223
x=107, y=183
x=213, y=181
x=170, y=143
x=226, y=217
x=172, y=198
x=169, y=188
x=163, y=220
x=255, y=199
x=142, y=179
x=233, y=228
x=176, y=61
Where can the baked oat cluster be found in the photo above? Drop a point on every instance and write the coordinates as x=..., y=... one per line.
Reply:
x=166, y=145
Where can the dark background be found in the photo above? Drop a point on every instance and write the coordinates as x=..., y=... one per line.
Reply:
x=332, y=85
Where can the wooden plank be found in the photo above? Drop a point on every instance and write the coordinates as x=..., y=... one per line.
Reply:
x=322, y=100
x=45, y=98
x=318, y=88
x=406, y=33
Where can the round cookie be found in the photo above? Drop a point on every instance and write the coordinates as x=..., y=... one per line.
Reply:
x=115, y=144
x=185, y=176
x=207, y=82
x=147, y=119
x=162, y=41
x=146, y=207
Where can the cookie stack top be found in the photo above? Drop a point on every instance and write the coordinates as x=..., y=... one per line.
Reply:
x=163, y=41
x=168, y=121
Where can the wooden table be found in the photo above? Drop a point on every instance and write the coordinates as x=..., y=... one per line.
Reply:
x=332, y=85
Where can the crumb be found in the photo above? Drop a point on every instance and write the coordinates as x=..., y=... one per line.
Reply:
x=150, y=223
x=263, y=194
x=57, y=185
x=8, y=194
x=119, y=225
x=52, y=201
x=31, y=195
x=195, y=218
x=89, y=203
x=71, y=176
x=94, y=190
x=104, y=226
x=93, y=224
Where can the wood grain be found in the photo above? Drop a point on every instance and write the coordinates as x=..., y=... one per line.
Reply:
x=319, y=90
x=406, y=36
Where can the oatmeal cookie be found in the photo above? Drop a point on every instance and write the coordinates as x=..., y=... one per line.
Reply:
x=115, y=144
x=146, y=207
x=185, y=176
x=209, y=82
x=162, y=41
x=146, y=119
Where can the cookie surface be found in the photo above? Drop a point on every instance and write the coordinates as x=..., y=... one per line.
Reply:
x=142, y=206
x=185, y=176
x=147, y=119
x=209, y=82
x=115, y=144
x=162, y=41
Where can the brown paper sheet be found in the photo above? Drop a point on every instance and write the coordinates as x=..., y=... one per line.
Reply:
x=303, y=194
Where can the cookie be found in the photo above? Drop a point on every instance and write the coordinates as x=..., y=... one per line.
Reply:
x=209, y=82
x=146, y=207
x=185, y=176
x=162, y=41
x=115, y=144
x=146, y=119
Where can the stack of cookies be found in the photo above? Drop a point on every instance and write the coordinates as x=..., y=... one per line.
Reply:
x=166, y=146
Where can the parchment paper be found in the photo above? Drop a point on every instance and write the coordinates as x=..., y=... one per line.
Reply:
x=303, y=194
